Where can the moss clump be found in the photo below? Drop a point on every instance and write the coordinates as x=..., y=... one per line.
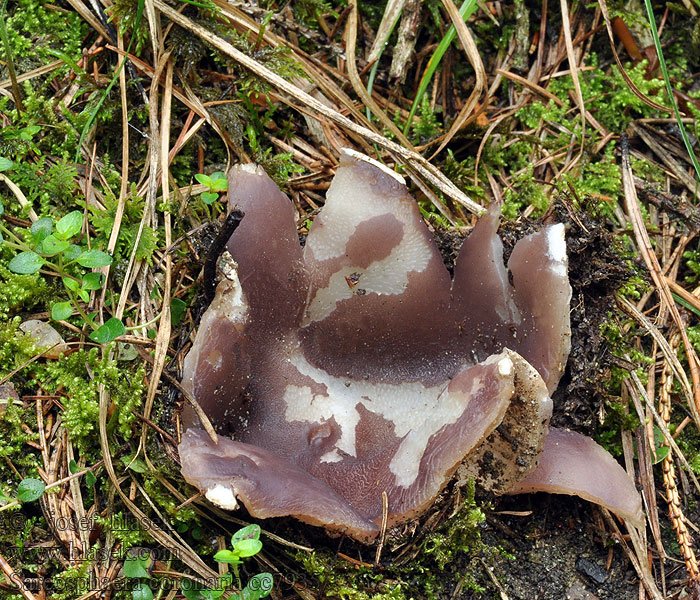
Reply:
x=13, y=439
x=435, y=562
x=79, y=376
x=19, y=292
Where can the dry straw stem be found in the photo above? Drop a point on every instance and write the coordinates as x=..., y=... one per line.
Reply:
x=465, y=38
x=416, y=163
x=573, y=65
x=179, y=549
x=647, y=251
x=357, y=84
x=669, y=474
x=635, y=90
x=164, y=326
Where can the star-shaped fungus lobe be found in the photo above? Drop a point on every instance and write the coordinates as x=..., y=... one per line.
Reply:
x=356, y=370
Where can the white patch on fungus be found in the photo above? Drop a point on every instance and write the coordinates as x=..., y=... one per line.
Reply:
x=505, y=366
x=251, y=168
x=556, y=248
x=416, y=411
x=222, y=496
x=386, y=276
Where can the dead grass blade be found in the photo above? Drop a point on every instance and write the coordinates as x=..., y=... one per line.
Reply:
x=637, y=554
x=470, y=49
x=182, y=551
x=416, y=163
x=392, y=12
x=357, y=85
x=635, y=90
x=647, y=251
x=164, y=325
x=573, y=66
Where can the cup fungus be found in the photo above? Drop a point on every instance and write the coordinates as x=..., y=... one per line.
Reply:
x=354, y=378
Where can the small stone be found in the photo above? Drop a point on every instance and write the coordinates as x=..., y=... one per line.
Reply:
x=45, y=336
x=594, y=571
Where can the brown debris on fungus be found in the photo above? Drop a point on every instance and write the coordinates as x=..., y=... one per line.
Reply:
x=356, y=366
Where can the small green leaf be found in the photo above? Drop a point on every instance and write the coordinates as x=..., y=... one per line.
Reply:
x=136, y=565
x=258, y=586
x=73, y=252
x=189, y=589
x=83, y=295
x=209, y=197
x=226, y=556
x=6, y=164
x=61, y=311
x=93, y=259
x=135, y=464
x=249, y=532
x=2, y=239
x=70, y=225
x=92, y=281
x=26, y=263
x=109, y=331
x=177, y=310
x=141, y=591
x=73, y=466
x=29, y=131
x=203, y=179
x=220, y=185
x=51, y=245
x=2, y=208
x=71, y=284
x=30, y=489
x=41, y=228
x=246, y=548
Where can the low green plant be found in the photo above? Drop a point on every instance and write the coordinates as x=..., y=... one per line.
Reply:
x=216, y=183
x=58, y=246
x=244, y=544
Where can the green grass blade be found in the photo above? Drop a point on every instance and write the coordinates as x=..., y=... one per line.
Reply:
x=10, y=61
x=669, y=89
x=467, y=9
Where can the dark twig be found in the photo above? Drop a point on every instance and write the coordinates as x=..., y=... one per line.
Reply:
x=209, y=278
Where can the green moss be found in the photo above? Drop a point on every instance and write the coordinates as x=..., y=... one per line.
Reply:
x=103, y=221
x=19, y=292
x=79, y=376
x=523, y=192
x=13, y=438
x=37, y=31
x=437, y=560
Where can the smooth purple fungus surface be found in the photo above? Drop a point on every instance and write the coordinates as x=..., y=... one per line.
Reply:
x=356, y=367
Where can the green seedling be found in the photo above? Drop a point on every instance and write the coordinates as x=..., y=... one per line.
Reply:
x=136, y=566
x=55, y=247
x=28, y=490
x=244, y=544
x=216, y=183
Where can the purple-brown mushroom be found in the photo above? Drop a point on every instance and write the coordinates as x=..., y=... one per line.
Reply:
x=355, y=372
